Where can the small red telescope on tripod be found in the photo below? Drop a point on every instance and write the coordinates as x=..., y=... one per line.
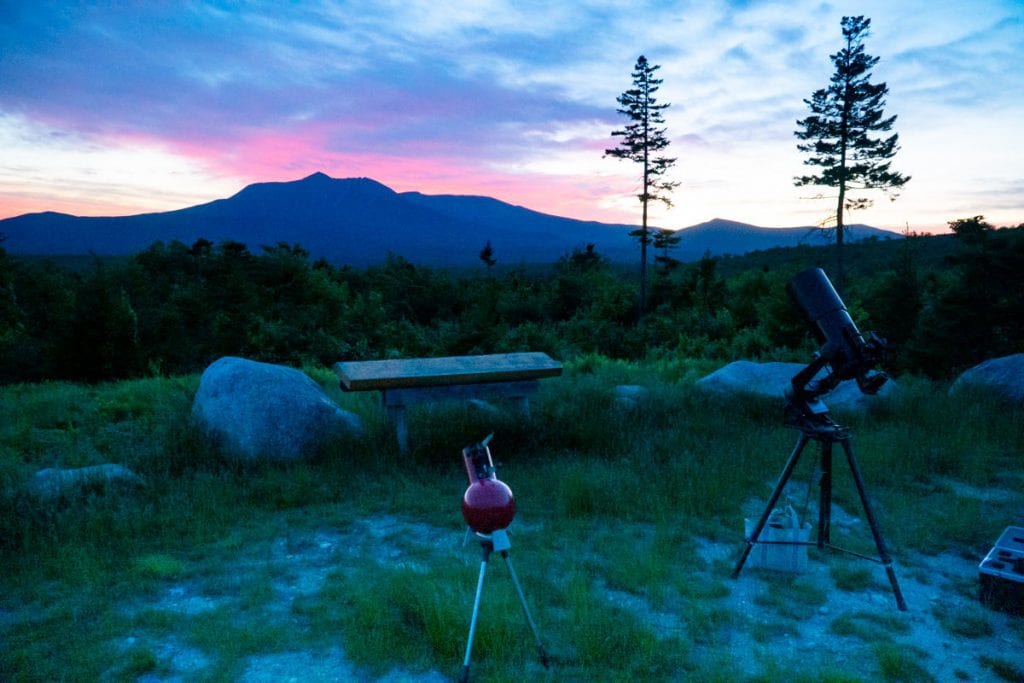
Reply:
x=488, y=504
x=488, y=508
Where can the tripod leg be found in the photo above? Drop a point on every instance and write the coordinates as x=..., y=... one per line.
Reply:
x=825, y=499
x=883, y=554
x=786, y=473
x=526, y=610
x=476, y=610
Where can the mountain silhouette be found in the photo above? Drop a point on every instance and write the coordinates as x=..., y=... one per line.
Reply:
x=358, y=221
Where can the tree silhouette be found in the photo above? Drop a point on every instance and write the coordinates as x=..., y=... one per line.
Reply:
x=665, y=241
x=838, y=133
x=970, y=230
x=487, y=255
x=642, y=139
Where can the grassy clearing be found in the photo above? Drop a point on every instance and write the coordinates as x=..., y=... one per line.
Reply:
x=852, y=577
x=901, y=664
x=973, y=622
x=614, y=506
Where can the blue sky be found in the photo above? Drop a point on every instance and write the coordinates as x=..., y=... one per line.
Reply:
x=117, y=108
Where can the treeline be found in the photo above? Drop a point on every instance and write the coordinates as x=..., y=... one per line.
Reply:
x=175, y=308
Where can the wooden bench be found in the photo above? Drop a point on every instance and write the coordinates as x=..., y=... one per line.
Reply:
x=406, y=381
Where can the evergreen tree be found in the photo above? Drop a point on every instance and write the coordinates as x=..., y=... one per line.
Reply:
x=838, y=133
x=664, y=241
x=642, y=140
x=487, y=256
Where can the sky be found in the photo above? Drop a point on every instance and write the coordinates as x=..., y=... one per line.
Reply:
x=116, y=108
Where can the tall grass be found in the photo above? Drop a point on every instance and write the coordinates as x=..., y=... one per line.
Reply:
x=611, y=497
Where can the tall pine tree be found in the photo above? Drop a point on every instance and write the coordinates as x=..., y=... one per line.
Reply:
x=642, y=140
x=838, y=135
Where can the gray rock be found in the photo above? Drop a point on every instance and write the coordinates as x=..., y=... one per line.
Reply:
x=771, y=380
x=263, y=412
x=1004, y=376
x=637, y=392
x=53, y=484
x=628, y=397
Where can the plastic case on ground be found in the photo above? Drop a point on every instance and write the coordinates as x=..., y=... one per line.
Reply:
x=1001, y=573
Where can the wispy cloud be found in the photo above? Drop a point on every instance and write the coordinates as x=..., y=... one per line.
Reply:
x=497, y=97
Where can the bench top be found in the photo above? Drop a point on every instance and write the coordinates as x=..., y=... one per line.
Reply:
x=405, y=373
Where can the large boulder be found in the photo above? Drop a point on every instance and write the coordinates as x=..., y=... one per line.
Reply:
x=772, y=380
x=1003, y=376
x=263, y=412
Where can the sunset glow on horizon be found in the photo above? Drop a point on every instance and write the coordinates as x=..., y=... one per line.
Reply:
x=125, y=109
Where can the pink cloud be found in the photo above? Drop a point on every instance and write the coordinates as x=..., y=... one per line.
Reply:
x=263, y=156
x=13, y=204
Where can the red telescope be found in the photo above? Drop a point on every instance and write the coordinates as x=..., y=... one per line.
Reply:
x=487, y=505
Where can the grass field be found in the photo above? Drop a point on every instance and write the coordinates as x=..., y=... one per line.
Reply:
x=629, y=522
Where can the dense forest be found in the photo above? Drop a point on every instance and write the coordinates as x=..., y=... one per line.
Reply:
x=943, y=302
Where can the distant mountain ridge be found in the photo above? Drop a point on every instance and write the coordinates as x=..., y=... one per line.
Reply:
x=359, y=221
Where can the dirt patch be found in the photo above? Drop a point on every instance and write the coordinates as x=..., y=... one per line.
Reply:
x=760, y=621
x=288, y=567
x=935, y=588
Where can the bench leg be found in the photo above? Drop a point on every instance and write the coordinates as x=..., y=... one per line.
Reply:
x=523, y=403
x=396, y=419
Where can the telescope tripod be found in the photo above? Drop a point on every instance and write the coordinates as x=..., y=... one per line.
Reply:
x=489, y=543
x=826, y=433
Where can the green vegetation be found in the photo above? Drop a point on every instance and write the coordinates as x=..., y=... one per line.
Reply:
x=900, y=663
x=159, y=566
x=868, y=626
x=623, y=514
x=852, y=578
x=972, y=622
x=791, y=597
x=173, y=309
x=839, y=135
x=225, y=562
x=641, y=141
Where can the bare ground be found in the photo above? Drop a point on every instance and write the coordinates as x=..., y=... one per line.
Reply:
x=760, y=637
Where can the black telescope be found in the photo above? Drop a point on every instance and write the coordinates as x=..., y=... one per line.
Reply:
x=844, y=354
x=844, y=349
